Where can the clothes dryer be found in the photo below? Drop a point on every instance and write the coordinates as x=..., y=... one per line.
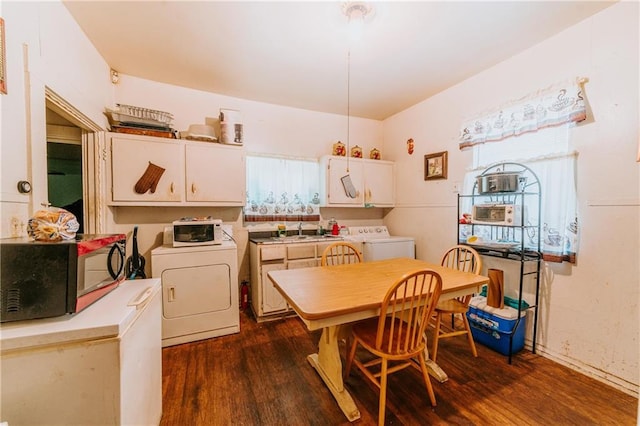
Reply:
x=199, y=291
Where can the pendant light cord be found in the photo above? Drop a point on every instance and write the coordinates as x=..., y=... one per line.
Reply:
x=348, y=104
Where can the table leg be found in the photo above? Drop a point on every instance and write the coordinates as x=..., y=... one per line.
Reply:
x=434, y=369
x=328, y=364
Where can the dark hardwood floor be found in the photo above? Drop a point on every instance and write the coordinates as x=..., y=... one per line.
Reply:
x=261, y=377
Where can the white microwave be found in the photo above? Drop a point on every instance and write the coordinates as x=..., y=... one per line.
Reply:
x=497, y=214
x=196, y=232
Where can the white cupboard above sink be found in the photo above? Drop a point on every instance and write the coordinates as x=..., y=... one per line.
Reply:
x=195, y=173
x=373, y=182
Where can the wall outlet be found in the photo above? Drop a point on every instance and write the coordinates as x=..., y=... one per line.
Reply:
x=15, y=226
x=456, y=187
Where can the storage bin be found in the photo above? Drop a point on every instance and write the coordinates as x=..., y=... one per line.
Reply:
x=492, y=326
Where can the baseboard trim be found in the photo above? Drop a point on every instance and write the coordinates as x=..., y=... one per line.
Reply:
x=602, y=376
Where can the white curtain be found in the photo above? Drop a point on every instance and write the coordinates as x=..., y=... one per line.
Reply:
x=547, y=154
x=282, y=189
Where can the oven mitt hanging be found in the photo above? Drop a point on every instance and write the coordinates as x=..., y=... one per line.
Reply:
x=149, y=179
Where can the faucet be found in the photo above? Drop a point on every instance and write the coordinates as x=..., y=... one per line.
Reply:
x=300, y=229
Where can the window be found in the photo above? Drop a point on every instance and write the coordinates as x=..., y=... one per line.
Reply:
x=535, y=132
x=547, y=153
x=282, y=189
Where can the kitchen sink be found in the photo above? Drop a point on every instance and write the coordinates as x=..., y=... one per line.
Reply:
x=302, y=238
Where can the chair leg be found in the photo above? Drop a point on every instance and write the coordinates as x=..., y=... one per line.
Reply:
x=469, y=335
x=436, y=337
x=427, y=379
x=383, y=392
x=350, y=356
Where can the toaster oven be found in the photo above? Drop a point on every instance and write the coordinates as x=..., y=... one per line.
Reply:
x=497, y=214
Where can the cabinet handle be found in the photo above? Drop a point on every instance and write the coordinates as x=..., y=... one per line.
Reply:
x=171, y=296
x=193, y=188
x=171, y=188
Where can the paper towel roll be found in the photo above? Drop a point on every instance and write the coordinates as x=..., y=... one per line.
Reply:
x=495, y=292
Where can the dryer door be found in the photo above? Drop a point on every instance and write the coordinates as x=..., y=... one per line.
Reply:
x=195, y=290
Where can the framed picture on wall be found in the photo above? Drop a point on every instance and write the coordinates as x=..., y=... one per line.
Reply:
x=435, y=166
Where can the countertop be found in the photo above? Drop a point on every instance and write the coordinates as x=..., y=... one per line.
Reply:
x=108, y=317
x=294, y=239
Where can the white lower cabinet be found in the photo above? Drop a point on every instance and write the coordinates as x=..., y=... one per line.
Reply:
x=266, y=300
x=272, y=300
x=102, y=366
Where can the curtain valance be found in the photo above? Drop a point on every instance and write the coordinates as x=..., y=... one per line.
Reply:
x=553, y=106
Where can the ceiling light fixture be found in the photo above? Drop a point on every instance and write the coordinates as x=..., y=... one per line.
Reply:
x=357, y=13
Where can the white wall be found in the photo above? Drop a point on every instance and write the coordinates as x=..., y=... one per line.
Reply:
x=45, y=47
x=589, y=312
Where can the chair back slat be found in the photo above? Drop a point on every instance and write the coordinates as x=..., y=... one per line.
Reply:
x=463, y=258
x=406, y=310
x=340, y=253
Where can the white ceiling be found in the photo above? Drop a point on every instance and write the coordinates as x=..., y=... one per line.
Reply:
x=295, y=53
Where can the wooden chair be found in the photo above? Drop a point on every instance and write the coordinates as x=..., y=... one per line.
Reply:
x=397, y=335
x=463, y=258
x=340, y=252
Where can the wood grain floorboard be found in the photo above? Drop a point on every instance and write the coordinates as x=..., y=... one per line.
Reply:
x=261, y=376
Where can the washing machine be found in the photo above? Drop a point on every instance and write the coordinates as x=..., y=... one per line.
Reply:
x=378, y=244
x=199, y=291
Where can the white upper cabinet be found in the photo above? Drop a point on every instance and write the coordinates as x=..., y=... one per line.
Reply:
x=195, y=173
x=141, y=159
x=379, y=183
x=356, y=182
x=341, y=182
x=215, y=173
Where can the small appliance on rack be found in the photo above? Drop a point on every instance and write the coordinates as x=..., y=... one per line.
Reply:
x=378, y=244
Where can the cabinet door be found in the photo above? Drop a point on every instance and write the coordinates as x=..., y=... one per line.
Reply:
x=379, y=182
x=272, y=300
x=215, y=174
x=337, y=180
x=131, y=158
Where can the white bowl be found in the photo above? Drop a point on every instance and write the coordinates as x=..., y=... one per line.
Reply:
x=200, y=132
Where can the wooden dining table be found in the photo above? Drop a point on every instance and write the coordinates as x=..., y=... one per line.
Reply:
x=332, y=297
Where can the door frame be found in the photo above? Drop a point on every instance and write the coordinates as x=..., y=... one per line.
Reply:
x=94, y=158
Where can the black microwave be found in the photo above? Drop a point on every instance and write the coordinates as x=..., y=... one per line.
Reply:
x=49, y=279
